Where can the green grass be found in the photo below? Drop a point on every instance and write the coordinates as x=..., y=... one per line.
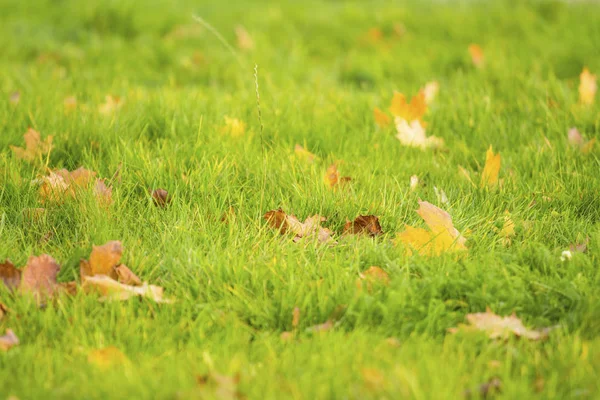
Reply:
x=237, y=284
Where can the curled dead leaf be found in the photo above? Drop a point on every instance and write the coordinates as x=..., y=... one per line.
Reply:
x=126, y=276
x=113, y=290
x=363, y=224
x=161, y=197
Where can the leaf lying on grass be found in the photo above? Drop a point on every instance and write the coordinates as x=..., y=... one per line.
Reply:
x=111, y=105
x=491, y=170
x=497, y=327
x=39, y=277
x=372, y=276
x=430, y=91
x=587, y=87
x=160, y=197
x=61, y=183
x=363, y=224
x=107, y=357
x=8, y=340
x=35, y=148
x=304, y=154
x=10, y=275
x=442, y=236
x=311, y=227
x=222, y=387
x=244, y=40
x=332, y=177
x=408, y=119
x=381, y=119
x=577, y=140
x=477, y=56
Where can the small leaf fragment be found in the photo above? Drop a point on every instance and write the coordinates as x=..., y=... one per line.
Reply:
x=412, y=134
x=105, y=258
x=126, y=276
x=332, y=177
x=304, y=154
x=111, y=105
x=491, y=170
x=107, y=357
x=430, y=91
x=113, y=290
x=8, y=340
x=35, y=148
x=381, y=118
x=311, y=227
x=497, y=327
x=477, y=56
x=244, y=40
x=10, y=275
x=234, y=126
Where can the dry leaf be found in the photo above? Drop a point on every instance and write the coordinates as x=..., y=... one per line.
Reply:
x=441, y=196
x=363, y=224
x=489, y=176
x=477, y=55
x=442, y=236
x=311, y=227
x=9, y=340
x=105, y=258
x=126, y=276
x=53, y=187
x=39, y=276
x=10, y=275
x=234, y=126
x=508, y=229
x=107, y=357
x=244, y=40
x=490, y=388
x=415, y=110
x=35, y=148
x=587, y=87
x=332, y=177
x=430, y=91
x=70, y=103
x=304, y=154
x=295, y=317
x=497, y=327
x=111, y=104
x=103, y=193
x=223, y=387
x=161, y=197
x=413, y=135
x=113, y=290
x=372, y=276
x=575, y=248
x=577, y=140
x=373, y=378
x=381, y=118
x=414, y=182
x=3, y=310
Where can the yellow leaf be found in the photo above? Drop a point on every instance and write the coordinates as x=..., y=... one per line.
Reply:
x=477, y=56
x=412, y=134
x=489, y=176
x=234, y=126
x=441, y=237
x=107, y=357
x=304, y=154
x=381, y=118
x=111, y=104
x=587, y=87
x=430, y=91
x=332, y=177
x=508, y=229
x=415, y=110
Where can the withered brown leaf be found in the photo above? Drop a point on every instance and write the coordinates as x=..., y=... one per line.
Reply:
x=34, y=148
x=363, y=224
x=39, y=276
x=311, y=227
x=104, y=259
x=126, y=276
x=161, y=197
x=10, y=275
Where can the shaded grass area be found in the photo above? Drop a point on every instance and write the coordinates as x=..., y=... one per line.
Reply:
x=236, y=284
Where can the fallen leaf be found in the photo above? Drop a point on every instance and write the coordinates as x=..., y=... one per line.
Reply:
x=489, y=176
x=235, y=127
x=10, y=275
x=113, y=290
x=39, y=276
x=107, y=357
x=324, y=327
x=363, y=224
x=373, y=378
x=577, y=140
x=413, y=135
x=381, y=118
x=295, y=317
x=477, y=56
x=34, y=214
x=442, y=236
x=161, y=197
x=70, y=103
x=103, y=193
x=311, y=227
x=415, y=110
x=430, y=91
x=332, y=177
x=35, y=148
x=105, y=258
x=126, y=276
x=223, y=387
x=497, y=327
x=111, y=105
x=441, y=196
x=52, y=188
x=244, y=40
x=490, y=388
x=587, y=87
x=508, y=229
x=304, y=154
x=372, y=276
x=8, y=340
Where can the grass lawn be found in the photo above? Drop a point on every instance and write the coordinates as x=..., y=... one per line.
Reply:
x=183, y=118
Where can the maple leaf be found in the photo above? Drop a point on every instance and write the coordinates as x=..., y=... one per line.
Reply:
x=477, y=56
x=442, y=236
x=430, y=91
x=61, y=183
x=39, y=277
x=372, y=275
x=415, y=110
x=497, y=327
x=413, y=134
x=489, y=176
x=311, y=227
x=332, y=177
x=235, y=127
x=113, y=290
x=35, y=148
x=8, y=340
x=577, y=140
x=107, y=357
x=587, y=87
x=244, y=40
x=381, y=118
x=111, y=104
x=10, y=275
x=363, y=224
x=160, y=197
x=304, y=154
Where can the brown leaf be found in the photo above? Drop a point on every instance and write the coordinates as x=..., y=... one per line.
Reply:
x=35, y=148
x=9, y=340
x=126, y=276
x=161, y=197
x=311, y=227
x=332, y=177
x=103, y=193
x=363, y=224
x=39, y=276
x=80, y=178
x=498, y=327
x=69, y=288
x=105, y=258
x=52, y=187
x=113, y=290
x=10, y=275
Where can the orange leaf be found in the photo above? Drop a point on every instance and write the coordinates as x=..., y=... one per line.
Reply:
x=587, y=87
x=11, y=276
x=414, y=110
x=39, y=276
x=105, y=258
x=489, y=176
x=126, y=276
x=35, y=148
x=477, y=56
x=381, y=119
x=363, y=224
x=332, y=177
